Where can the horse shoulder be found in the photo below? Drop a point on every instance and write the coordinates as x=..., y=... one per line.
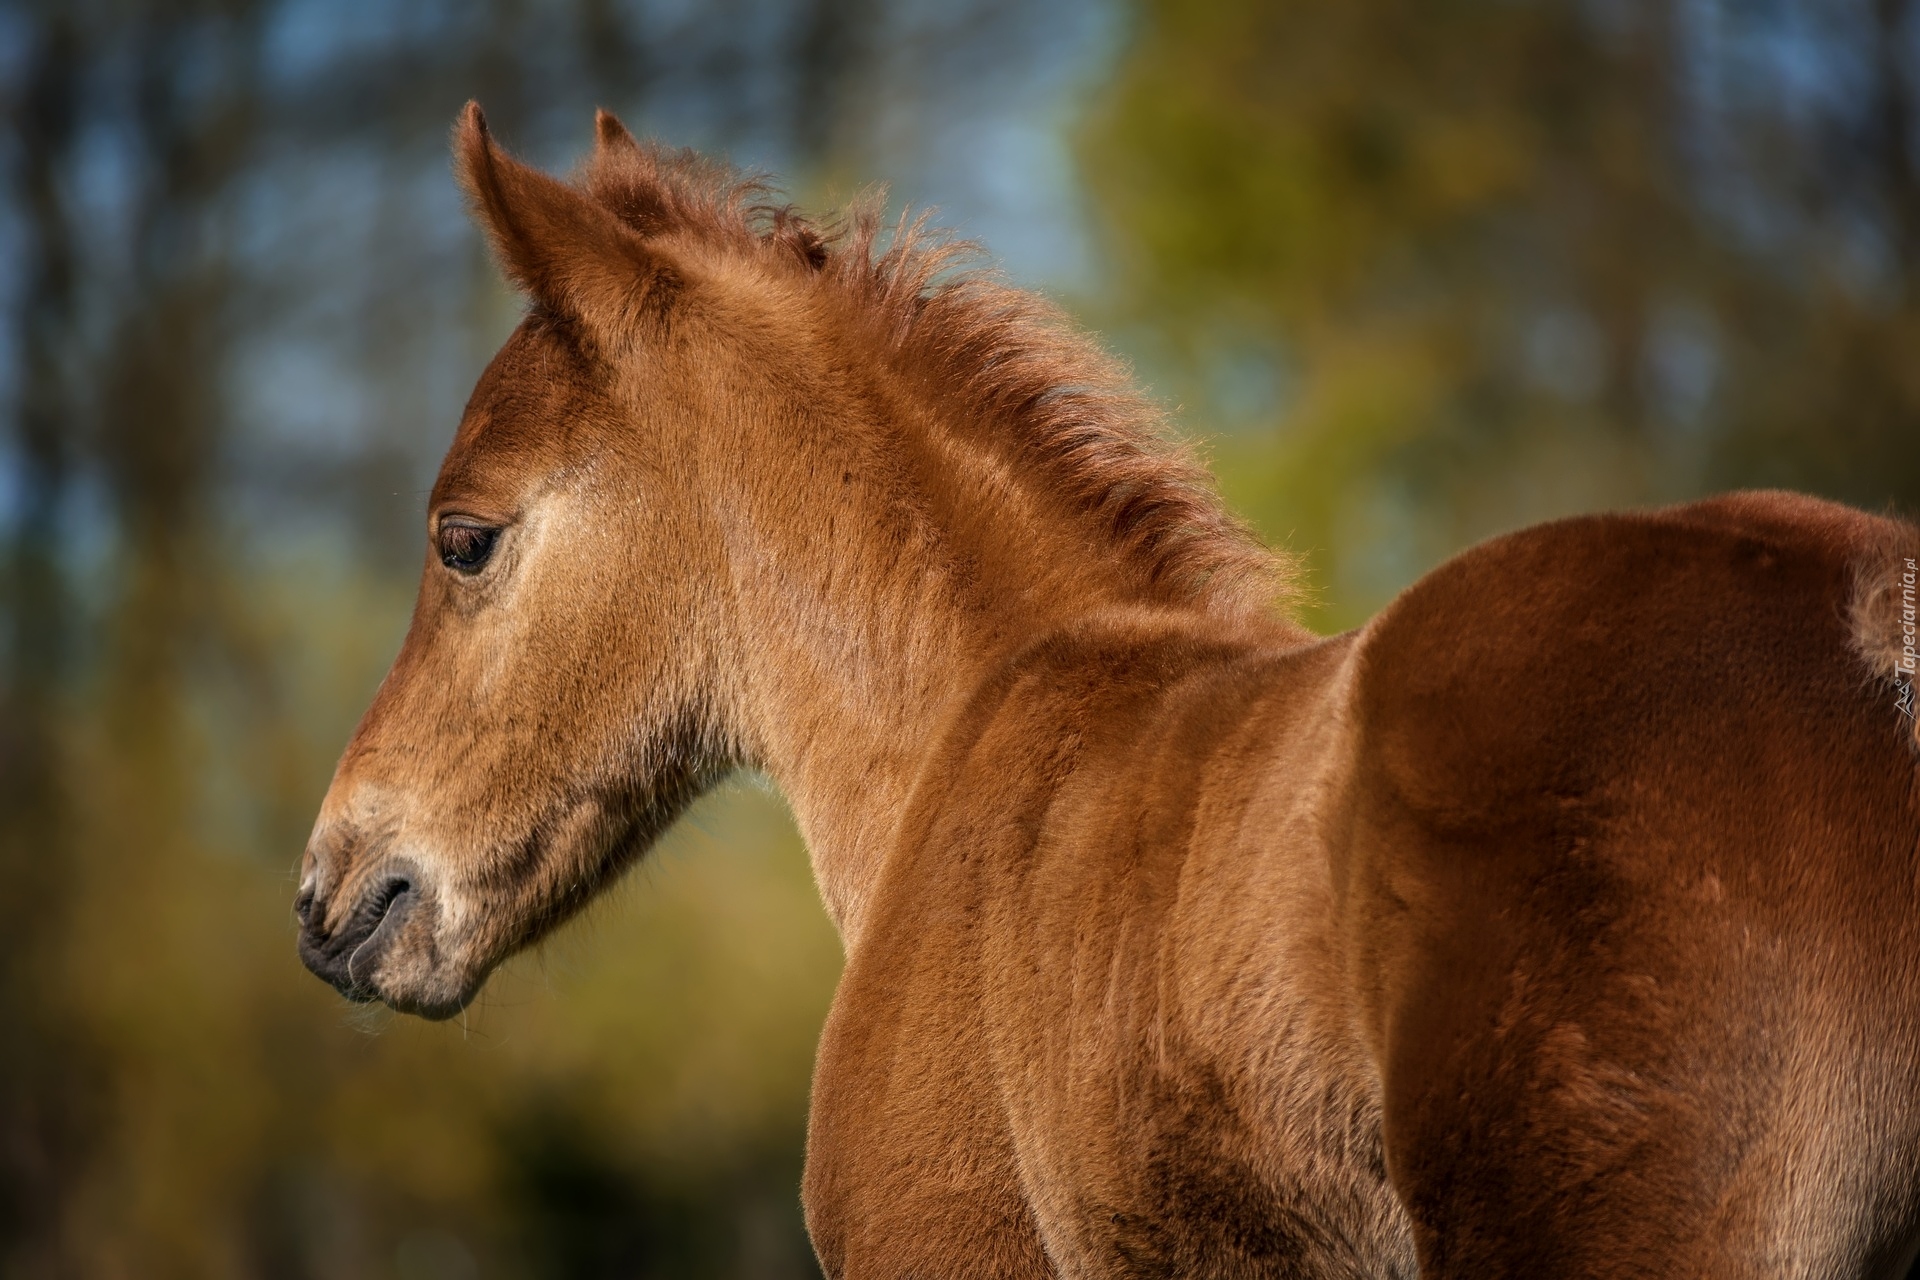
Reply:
x=1102, y=976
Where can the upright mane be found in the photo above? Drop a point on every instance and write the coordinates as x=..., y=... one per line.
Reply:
x=1066, y=413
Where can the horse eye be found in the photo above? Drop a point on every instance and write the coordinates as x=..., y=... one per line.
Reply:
x=465, y=547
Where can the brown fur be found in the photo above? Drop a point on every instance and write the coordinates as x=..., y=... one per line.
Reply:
x=1561, y=921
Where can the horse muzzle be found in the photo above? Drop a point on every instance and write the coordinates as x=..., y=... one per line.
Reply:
x=382, y=946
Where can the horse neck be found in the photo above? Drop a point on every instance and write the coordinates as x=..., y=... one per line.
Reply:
x=867, y=621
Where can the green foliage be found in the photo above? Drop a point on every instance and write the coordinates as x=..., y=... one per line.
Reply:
x=1507, y=261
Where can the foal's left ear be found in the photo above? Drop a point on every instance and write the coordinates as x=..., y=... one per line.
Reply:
x=556, y=242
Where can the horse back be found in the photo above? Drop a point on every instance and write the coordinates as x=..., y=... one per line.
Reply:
x=1628, y=882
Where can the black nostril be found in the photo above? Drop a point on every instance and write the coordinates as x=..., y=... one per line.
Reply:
x=389, y=893
x=347, y=949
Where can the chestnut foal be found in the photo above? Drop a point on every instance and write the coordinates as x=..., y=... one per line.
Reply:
x=1562, y=921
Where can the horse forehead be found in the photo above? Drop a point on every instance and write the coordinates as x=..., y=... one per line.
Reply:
x=529, y=411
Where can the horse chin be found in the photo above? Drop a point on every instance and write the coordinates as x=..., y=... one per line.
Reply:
x=415, y=972
x=435, y=992
x=436, y=1002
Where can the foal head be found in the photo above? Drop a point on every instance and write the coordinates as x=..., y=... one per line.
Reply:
x=544, y=719
x=607, y=621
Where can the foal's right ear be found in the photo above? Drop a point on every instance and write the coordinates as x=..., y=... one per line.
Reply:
x=556, y=242
x=609, y=135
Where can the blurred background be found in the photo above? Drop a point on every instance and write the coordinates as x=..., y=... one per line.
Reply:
x=1413, y=271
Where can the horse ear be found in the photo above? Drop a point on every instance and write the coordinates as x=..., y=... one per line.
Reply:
x=556, y=242
x=609, y=135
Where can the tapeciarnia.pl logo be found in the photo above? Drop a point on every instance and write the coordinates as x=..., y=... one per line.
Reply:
x=1904, y=669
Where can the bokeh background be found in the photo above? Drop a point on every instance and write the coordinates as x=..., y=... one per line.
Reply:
x=1413, y=271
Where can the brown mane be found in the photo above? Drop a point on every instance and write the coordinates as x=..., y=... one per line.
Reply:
x=1067, y=412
